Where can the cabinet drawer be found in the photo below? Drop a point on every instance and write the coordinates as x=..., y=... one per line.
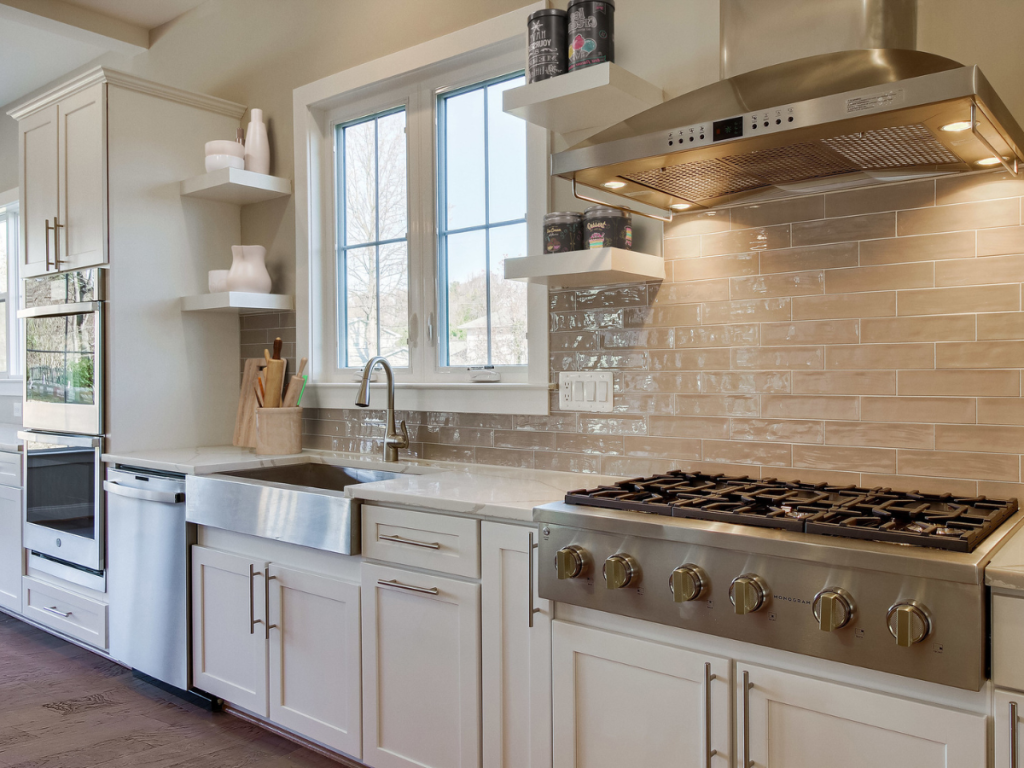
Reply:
x=10, y=469
x=65, y=611
x=422, y=539
x=1007, y=629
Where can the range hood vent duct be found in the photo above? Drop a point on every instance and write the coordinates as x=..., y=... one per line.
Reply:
x=861, y=107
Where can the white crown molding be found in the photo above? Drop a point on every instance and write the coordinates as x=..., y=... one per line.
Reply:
x=124, y=80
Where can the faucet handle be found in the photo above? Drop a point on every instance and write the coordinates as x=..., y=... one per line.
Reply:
x=405, y=433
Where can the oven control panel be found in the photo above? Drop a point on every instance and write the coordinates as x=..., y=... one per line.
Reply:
x=920, y=628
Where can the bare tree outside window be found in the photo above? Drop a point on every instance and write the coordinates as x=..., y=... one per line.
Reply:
x=482, y=222
x=373, y=263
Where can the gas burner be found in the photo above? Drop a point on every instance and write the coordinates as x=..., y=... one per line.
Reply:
x=876, y=514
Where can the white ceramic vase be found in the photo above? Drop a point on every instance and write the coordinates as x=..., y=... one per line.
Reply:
x=257, y=145
x=248, y=273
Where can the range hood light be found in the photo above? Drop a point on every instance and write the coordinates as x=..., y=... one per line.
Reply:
x=679, y=206
x=615, y=184
x=989, y=161
x=957, y=127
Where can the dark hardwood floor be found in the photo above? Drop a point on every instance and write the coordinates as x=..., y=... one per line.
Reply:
x=63, y=707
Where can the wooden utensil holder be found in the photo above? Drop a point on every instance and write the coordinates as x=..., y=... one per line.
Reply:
x=278, y=431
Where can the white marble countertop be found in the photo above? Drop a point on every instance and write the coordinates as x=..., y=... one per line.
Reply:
x=474, y=489
x=9, y=442
x=1006, y=569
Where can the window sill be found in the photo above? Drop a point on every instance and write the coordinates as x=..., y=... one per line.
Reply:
x=520, y=399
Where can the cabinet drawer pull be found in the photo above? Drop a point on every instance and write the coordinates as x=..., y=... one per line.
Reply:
x=410, y=542
x=408, y=587
x=53, y=609
x=708, y=751
x=1013, y=734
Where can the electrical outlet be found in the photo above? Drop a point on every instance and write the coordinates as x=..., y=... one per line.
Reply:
x=590, y=392
x=17, y=409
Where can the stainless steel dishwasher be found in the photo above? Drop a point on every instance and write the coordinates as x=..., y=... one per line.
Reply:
x=147, y=574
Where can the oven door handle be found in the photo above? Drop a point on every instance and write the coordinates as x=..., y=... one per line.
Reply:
x=59, y=310
x=52, y=438
x=163, y=497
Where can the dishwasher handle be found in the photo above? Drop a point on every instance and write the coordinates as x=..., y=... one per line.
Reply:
x=163, y=497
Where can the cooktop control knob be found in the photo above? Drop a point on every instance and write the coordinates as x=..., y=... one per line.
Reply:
x=571, y=562
x=748, y=593
x=909, y=622
x=833, y=609
x=687, y=582
x=621, y=570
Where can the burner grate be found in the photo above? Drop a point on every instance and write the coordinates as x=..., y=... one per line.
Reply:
x=876, y=514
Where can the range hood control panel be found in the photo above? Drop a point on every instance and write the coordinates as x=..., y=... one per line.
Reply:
x=770, y=121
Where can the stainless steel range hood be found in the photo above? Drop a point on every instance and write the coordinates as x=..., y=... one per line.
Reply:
x=831, y=120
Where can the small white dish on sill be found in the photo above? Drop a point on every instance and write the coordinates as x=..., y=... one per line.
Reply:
x=216, y=162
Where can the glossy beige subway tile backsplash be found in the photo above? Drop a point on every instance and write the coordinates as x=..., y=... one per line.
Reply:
x=867, y=336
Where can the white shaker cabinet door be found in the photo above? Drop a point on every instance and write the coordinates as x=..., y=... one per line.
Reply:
x=11, y=553
x=37, y=135
x=314, y=658
x=516, y=651
x=620, y=701
x=421, y=669
x=82, y=170
x=791, y=721
x=229, y=643
x=1009, y=712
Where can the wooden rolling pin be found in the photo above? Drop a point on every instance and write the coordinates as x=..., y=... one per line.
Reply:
x=291, y=395
x=274, y=376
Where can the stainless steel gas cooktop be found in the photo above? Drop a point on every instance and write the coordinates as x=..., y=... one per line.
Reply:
x=871, y=577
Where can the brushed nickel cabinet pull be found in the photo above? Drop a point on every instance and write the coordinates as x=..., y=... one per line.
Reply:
x=53, y=609
x=529, y=565
x=253, y=621
x=747, y=685
x=266, y=602
x=1013, y=734
x=708, y=751
x=407, y=587
x=410, y=542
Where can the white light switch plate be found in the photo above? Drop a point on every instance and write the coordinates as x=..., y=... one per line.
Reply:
x=590, y=392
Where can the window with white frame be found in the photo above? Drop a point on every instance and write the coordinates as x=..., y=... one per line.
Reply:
x=481, y=222
x=9, y=230
x=432, y=188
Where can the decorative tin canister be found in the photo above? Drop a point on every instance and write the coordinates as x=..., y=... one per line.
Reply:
x=548, y=52
x=563, y=232
x=591, y=33
x=607, y=227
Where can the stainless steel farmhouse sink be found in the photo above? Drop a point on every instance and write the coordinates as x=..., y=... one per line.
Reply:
x=297, y=503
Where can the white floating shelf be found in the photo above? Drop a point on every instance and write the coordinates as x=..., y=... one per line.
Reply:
x=593, y=97
x=237, y=302
x=586, y=269
x=231, y=185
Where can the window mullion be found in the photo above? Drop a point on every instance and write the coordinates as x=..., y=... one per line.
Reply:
x=487, y=223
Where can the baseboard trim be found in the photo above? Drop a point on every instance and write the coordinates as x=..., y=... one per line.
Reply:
x=284, y=733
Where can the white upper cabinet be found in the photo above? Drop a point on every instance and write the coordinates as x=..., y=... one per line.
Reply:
x=82, y=178
x=37, y=135
x=516, y=651
x=791, y=721
x=64, y=183
x=621, y=701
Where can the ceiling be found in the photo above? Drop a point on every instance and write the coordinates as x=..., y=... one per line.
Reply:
x=32, y=57
x=144, y=13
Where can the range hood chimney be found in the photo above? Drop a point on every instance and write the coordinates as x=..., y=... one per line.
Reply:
x=814, y=96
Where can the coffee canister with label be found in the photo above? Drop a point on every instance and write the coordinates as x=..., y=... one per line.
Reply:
x=548, y=48
x=563, y=232
x=591, y=33
x=607, y=227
